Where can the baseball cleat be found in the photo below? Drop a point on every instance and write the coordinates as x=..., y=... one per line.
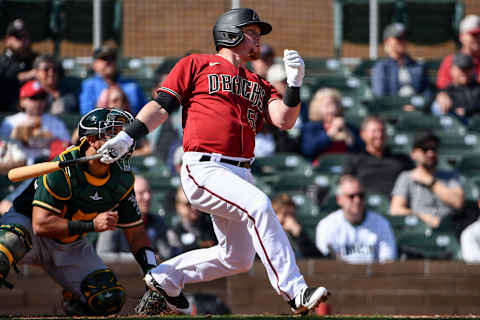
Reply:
x=175, y=305
x=308, y=300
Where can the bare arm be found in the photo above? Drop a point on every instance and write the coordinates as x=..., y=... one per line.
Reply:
x=153, y=115
x=281, y=115
x=454, y=197
x=46, y=223
x=398, y=207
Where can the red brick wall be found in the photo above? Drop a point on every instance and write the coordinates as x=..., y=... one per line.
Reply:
x=170, y=28
x=412, y=287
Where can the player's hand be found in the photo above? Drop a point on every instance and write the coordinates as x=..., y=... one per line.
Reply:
x=115, y=148
x=106, y=221
x=294, y=67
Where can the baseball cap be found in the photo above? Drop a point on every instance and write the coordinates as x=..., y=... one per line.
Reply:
x=17, y=29
x=276, y=73
x=105, y=52
x=394, y=30
x=470, y=24
x=425, y=140
x=32, y=88
x=463, y=61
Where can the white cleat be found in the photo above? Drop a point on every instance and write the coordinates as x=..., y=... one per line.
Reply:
x=308, y=300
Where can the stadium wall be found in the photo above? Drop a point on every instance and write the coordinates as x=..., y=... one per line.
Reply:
x=411, y=287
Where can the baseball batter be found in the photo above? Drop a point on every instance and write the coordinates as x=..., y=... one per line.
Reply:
x=48, y=220
x=224, y=106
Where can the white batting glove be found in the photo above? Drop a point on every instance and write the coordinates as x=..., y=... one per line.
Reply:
x=115, y=148
x=294, y=67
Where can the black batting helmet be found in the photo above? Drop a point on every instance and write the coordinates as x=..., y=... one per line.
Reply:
x=227, y=32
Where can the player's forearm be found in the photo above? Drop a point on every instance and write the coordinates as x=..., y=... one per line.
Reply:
x=137, y=238
x=283, y=116
x=48, y=224
x=152, y=115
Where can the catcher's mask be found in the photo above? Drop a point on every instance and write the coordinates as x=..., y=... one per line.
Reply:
x=105, y=123
x=227, y=30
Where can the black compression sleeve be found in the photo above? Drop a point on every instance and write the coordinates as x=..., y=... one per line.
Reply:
x=146, y=259
x=78, y=227
x=136, y=129
x=167, y=101
x=292, y=97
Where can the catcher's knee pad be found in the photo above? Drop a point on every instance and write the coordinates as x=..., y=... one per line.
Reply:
x=103, y=292
x=15, y=242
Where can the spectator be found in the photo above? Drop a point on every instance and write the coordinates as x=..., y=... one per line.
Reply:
x=462, y=96
x=270, y=139
x=34, y=128
x=12, y=155
x=352, y=233
x=16, y=63
x=427, y=192
x=113, y=97
x=192, y=230
x=49, y=74
x=399, y=74
x=327, y=131
x=113, y=242
x=285, y=210
x=469, y=37
x=376, y=167
x=267, y=57
x=106, y=74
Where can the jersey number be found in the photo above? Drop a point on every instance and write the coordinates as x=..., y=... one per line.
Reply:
x=252, y=118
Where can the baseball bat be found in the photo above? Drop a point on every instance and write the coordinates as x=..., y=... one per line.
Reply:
x=38, y=169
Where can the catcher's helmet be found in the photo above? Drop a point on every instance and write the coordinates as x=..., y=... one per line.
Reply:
x=105, y=124
x=227, y=30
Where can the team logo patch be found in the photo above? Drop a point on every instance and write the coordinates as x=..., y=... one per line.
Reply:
x=96, y=197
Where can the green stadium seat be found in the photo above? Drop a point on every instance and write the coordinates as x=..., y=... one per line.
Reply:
x=378, y=203
x=391, y=107
x=409, y=223
x=435, y=245
x=71, y=120
x=469, y=165
x=417, y=121
x=325, y=66
x=331, y=163
x=149, y=166
x=281, y=163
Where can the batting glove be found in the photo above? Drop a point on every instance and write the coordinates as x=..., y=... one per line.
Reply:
x=294, y=67
x=115, y=148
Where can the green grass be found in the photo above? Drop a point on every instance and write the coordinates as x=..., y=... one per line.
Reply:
x=262, y=317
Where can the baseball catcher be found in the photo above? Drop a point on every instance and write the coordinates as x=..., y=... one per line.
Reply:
x=48, y=221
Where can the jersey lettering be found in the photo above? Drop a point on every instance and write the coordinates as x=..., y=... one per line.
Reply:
x=213, y=83
x=249, y=90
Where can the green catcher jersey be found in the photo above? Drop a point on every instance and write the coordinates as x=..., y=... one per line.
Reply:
x=74, y=194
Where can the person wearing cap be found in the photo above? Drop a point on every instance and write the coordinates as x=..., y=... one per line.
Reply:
x=399, y=74
x=106, y=75
x=461, y=98
x=469, y=37
x=32, y=127
x=427, y=192
x=16, y=63
x=267, y=56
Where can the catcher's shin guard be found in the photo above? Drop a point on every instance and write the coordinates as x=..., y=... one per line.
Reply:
x=15, y=242
x=103, y=292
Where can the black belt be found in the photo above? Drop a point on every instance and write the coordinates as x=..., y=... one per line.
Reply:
x=242, y=164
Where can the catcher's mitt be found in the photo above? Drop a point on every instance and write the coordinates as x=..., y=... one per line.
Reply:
x=152, y=303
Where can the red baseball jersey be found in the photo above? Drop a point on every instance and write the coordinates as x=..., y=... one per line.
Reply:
x=223, y=106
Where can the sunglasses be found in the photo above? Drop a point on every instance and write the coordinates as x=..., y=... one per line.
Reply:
x=425, y=149
x=48, y=68
x=360, y=195
x=38, y=97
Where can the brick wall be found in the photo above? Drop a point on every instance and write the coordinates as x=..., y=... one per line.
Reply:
x=171, y=28
x=412, y=287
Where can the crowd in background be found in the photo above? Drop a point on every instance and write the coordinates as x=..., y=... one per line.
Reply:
x=35, y=95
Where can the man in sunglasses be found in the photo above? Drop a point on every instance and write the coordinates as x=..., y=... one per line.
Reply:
x=352, y=233
x=16, y=63
x=427, y=192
